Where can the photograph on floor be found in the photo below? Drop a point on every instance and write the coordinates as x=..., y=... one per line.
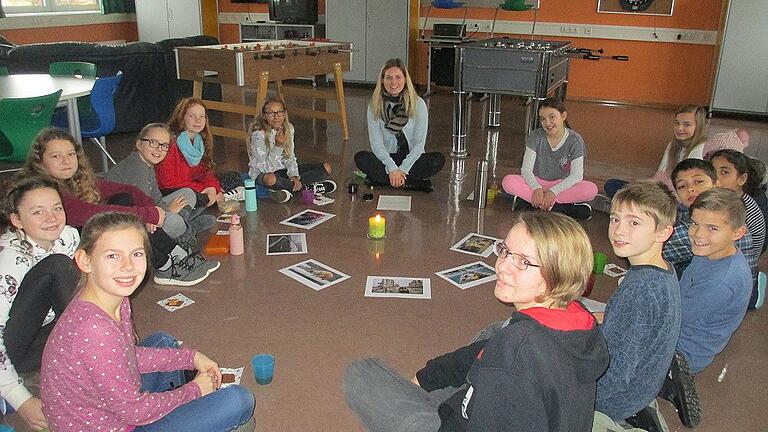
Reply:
x=175, y=302
x=398, y=287
x=469, y=275
x=314, y=274
x=286, y=244
x=307, y=219
x=230, y=376
x=475, y=244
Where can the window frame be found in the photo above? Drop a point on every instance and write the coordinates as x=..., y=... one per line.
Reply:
x=49, y=7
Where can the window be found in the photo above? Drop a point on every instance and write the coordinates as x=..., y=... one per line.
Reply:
x=42, y=6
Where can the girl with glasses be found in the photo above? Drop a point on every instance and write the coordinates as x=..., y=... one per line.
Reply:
x=272, y=156
x=538, y=372
x=182, y=221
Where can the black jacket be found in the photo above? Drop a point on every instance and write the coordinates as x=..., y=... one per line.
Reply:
x=527, y=377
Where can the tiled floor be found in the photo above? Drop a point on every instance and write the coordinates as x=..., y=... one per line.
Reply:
x=248, y=307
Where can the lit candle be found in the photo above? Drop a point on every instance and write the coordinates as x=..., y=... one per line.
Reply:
x=377, y=227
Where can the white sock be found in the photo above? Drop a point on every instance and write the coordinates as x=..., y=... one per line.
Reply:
x=179, y=252
x=166, y=265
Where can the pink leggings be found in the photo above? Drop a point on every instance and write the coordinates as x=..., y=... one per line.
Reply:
x=582, y=191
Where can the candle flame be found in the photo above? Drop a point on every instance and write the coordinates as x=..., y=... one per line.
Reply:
x=378, y=218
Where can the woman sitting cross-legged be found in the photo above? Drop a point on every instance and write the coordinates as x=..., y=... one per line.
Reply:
x=397, y=131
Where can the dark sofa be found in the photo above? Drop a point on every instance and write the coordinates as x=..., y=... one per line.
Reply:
x=149, y=89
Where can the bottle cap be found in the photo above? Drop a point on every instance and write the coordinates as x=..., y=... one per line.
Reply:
x=235, y=219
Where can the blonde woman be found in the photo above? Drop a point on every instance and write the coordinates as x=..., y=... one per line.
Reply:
x=536, y=373
x=397, y=131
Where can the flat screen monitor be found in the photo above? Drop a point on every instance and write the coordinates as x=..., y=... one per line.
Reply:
x=293, y=11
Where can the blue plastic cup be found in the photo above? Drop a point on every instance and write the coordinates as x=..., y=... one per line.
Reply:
x=263, y=368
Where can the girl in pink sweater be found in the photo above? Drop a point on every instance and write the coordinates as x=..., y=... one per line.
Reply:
x=95, y=377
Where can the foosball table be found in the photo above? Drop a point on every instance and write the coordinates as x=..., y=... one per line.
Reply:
x=255, y=64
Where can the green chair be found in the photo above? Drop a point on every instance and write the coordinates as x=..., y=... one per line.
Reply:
x=4, y=71
x=23, y=118
x=83, y=69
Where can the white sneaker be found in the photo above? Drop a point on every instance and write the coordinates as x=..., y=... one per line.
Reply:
x=323, y=187
x=236, y=194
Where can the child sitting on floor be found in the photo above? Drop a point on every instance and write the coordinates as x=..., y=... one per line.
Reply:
x=138, y=169
x=691, y=178
x=537, y=373
x=642, y=318
x=94, y=373
x=716, y=286
x=272, y=156
x=552, y=176
x=37, y=279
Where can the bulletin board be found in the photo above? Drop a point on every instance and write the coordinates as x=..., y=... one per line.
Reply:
x=657, y=7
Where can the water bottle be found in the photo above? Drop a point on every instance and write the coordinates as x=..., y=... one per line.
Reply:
x=236, y=243
x=250, y=195
x=481, y=183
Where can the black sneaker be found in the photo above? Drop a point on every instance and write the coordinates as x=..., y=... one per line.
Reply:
x=680, y=389
x=646, y=419
x=424, y=185
x=601, y=203
x=322, y=187
x=578, y=211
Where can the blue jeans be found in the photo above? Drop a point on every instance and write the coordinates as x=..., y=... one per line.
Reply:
x=220, y=411
x=612, y=186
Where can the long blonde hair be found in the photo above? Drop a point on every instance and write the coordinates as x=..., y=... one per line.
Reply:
x=260, y=122
x=82, y=184
x=176, y=126
x=409, y=95
x=699, y=136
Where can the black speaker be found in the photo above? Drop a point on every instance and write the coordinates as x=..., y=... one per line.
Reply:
x=441, y=69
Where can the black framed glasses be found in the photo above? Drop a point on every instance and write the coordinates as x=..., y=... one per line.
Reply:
x=273, y=114
x=164, y=146
x=519, y=261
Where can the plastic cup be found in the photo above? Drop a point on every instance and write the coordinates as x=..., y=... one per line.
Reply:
x=600, y=261
x=263, y=368
x=307, y=196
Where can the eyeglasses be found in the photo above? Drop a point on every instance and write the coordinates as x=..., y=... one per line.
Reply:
x=156, y=144
x=273, y=114
x=519, y=261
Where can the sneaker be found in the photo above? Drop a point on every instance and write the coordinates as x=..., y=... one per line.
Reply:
x=181, y=272
x=762, y=280
x=601, y=203
x=322, y=187
x=578, y=211
x=197, y=260
x=188, y=240
x=236, y=194
x=280, y=195
x=419, y=185
x=680, y=389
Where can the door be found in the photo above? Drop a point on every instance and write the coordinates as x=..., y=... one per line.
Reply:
x=387, y=30
x=152, y=20
x=184, y=18
x=345, y=22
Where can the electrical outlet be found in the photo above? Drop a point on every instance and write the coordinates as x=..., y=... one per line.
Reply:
x=587, y=30
x=569, y=29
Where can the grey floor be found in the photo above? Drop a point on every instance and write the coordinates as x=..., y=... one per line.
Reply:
x=248, y=307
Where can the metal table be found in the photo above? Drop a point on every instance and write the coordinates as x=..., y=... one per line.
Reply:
x=518, y=67
x=31, y=85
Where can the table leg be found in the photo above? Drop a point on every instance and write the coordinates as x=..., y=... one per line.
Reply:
x=197, y=89
x=73, y=117
x=279, y=87
x=338, y=76
x=261, y=92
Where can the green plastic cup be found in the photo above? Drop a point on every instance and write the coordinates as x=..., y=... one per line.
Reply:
x=601, y=260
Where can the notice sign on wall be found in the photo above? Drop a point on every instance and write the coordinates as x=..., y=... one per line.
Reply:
x=642, y=7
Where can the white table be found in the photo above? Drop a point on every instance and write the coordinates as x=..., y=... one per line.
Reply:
x=31, y=85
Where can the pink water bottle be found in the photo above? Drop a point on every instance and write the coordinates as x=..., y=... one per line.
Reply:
x=236, y=244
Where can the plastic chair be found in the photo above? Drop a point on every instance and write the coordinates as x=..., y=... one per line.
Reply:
x=102, y=122
x=4, y=71
x=22, y=119
x=76, y=69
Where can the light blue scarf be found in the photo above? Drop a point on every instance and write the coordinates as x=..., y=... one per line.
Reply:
x=193, y=153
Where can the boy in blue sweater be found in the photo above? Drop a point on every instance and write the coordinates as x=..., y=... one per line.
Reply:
x=642, y=319
x=716, y=286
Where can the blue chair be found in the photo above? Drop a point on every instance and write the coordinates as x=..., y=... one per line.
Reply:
x=20, y=120
x=102, y=122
